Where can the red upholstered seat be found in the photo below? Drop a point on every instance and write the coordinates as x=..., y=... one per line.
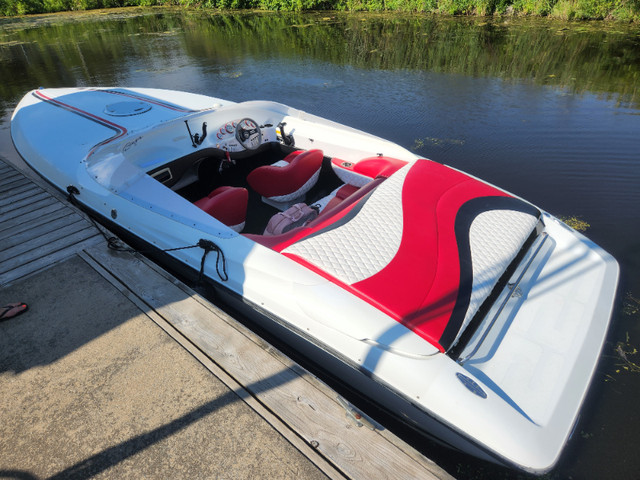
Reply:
x=427, y=280
x=287, y=179
x=363, y=171
x=227, y=204
x=340, y=194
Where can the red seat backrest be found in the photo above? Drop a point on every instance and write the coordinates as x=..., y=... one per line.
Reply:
x=274, y=181
x=227, y=204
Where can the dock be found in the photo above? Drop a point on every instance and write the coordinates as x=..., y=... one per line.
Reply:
x=119, y=370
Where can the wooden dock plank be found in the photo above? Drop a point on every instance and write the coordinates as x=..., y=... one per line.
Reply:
x=24, y=210
x=14, y=184
x=16, y=233
x=26, y=218
x=36, y=228
x=47, y=259
x=9, y=177
x=47, y=234
x=19, y=193
x=299, y=399
x=42, y=249
x=22, y=203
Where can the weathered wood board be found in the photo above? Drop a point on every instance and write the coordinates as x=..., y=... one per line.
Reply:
x=36, y=228
x=302, y=402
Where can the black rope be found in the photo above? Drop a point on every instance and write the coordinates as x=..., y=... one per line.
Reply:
x=114, y=243
x=209, y=246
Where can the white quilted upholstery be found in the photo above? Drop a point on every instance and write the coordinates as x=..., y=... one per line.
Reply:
x=364, y=245
x=237, y=228
x=324, y=201
x=495, y=238
x=351, y=177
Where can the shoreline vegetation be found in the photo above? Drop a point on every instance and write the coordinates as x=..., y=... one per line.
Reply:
x=599, y=58
x=618, y=10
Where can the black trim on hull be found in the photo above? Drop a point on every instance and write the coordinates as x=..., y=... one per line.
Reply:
x=464, y=219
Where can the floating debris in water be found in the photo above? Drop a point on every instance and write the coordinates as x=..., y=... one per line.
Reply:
x=231, y=74
x=435, y=142
x=630, y=305
x=575, y=222
x=624, y=350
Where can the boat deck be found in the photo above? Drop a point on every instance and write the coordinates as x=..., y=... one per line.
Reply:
x=91, y=386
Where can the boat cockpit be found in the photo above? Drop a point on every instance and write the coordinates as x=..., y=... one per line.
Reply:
x=246, y=189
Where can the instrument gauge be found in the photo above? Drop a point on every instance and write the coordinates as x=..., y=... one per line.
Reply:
x=229, y=127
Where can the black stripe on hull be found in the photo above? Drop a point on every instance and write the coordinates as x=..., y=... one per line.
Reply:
x=464, y=218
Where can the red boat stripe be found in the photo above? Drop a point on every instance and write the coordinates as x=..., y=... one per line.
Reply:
x=121, y=131
x=146, y=99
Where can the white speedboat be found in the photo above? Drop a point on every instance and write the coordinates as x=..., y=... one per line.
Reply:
x=465, y=311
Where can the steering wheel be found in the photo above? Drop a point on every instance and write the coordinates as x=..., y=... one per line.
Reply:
x=248, y=134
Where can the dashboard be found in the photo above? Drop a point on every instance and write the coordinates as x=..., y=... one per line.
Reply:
x=234, y=139
x=241, y=135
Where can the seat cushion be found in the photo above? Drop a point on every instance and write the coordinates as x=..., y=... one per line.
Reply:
x=426, y=247
x=363, y=171
x=227, y=204
x=289, y=178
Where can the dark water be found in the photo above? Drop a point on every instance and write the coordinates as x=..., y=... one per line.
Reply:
x=549, y=111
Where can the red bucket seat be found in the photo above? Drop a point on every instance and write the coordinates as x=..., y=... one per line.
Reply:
x=227, y=204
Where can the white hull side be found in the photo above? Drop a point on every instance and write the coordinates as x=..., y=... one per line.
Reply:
x=377, y=355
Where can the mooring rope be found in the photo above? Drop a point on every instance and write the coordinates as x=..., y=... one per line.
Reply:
x=114, y=243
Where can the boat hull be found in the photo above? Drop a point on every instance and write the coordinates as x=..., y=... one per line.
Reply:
x=508, y=388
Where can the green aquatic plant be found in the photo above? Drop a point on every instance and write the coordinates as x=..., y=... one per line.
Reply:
x=631, y=305
x=575, y=222
x=625, y=352
x=624, y=10
x=419, y=143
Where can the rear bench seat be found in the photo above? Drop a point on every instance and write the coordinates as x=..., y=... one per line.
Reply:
x=427, y=246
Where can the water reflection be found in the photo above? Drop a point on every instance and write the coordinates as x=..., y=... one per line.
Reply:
x=599, y=59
